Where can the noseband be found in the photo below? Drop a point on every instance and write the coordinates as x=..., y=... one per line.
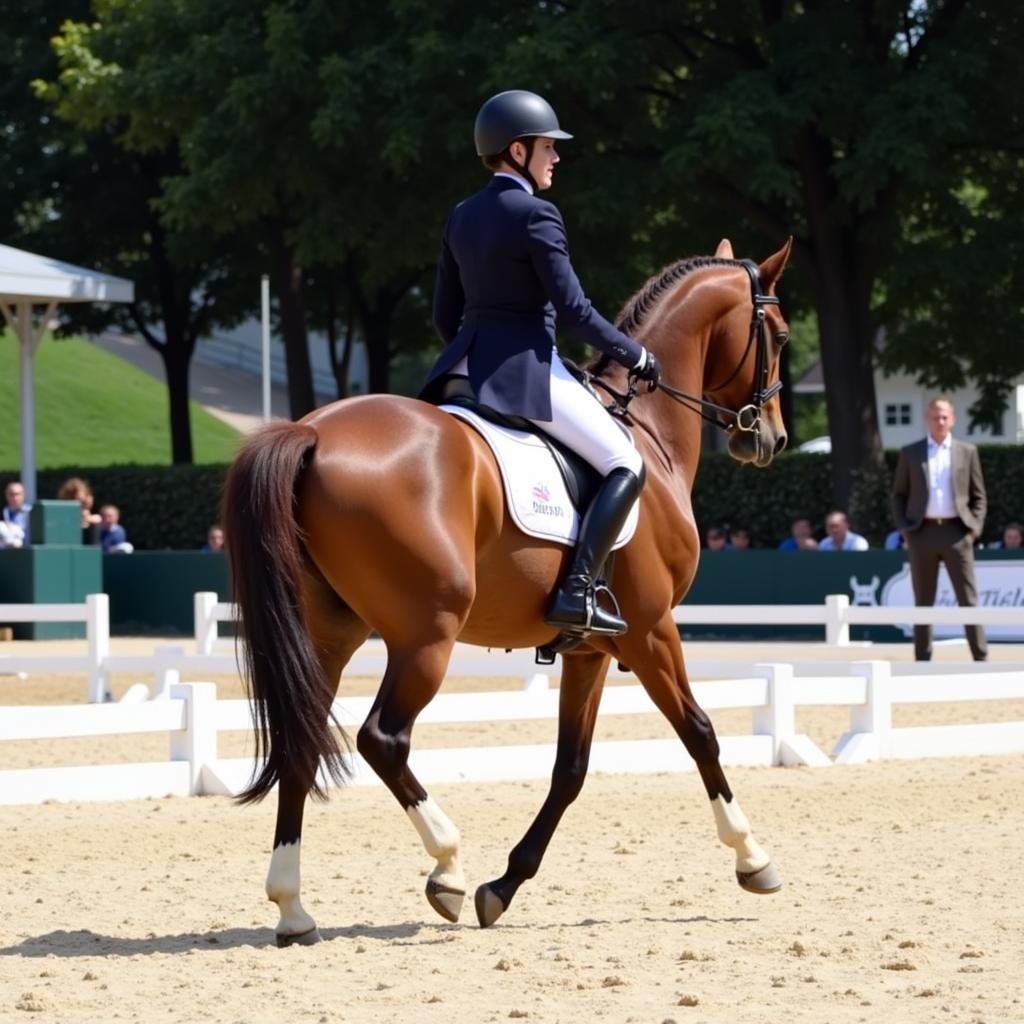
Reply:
x=748, y=417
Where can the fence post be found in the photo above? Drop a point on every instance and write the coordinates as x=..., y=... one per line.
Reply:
x=778, y=717
x=97, y=632
x=197, y=744
x=837, y=626
x=205, y=622
x=874, y=717
x=166, y=674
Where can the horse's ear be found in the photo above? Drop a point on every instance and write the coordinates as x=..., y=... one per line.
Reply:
x=724, y=250
x=771, y=269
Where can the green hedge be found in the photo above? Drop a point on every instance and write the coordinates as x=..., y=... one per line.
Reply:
x=173, y=506
x=161, y=506
x=765, y=500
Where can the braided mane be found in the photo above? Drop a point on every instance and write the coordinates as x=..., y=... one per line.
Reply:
x=636, y=310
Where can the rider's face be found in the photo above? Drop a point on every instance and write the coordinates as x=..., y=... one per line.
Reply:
x=542, y=163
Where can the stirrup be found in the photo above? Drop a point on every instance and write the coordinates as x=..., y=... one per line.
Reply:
x=601, y=587
x=588, y=595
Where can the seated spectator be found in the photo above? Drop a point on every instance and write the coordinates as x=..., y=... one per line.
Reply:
x=801, y=536
x=739, y=539
x=15, y=512
x=840, y=536
x=714, y=539
x=214, y=539
x=113, y=538
x=77, y=489
x=1013, y=533
x=895, y=541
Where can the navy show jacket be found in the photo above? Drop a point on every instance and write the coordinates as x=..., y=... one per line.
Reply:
x=503, y=278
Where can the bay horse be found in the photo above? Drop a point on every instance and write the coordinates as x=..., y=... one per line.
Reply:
x=383, y=513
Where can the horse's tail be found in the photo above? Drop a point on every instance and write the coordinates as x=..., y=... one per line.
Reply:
x=283, y=676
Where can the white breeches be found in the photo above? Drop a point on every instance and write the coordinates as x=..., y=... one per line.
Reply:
x=580, y=423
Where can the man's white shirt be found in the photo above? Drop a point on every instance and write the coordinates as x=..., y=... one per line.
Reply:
x=940, y=479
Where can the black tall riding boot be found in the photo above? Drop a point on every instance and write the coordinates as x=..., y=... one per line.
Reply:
x=574, y=608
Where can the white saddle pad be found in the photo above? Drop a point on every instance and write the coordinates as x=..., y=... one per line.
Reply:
x=535, y=490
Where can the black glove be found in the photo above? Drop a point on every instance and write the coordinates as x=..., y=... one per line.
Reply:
x=648, y=369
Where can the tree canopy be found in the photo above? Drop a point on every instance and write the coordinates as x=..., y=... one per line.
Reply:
x=330, y=139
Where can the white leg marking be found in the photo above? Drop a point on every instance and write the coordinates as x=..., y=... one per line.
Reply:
x=283, y=888
x=734, y=831
x=441, y=840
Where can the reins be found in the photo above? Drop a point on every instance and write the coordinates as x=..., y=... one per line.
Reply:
x=746, y=418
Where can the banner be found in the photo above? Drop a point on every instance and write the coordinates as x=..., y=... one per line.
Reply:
x=1000, y=585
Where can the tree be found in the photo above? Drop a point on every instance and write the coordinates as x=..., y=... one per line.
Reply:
x=849, y=124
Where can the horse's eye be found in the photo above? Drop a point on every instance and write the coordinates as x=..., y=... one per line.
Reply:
x=781, y=338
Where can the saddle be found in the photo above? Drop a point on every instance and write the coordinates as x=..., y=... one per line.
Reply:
x=581, y=479
x=536, y=494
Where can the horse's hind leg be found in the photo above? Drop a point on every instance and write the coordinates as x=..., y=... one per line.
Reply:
x=336, y=639
x=579, y=697
x=657, y=659
x=414, y=674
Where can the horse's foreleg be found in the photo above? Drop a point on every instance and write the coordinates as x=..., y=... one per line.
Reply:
x=659, y=666
x=413, y=677
x=579, y=697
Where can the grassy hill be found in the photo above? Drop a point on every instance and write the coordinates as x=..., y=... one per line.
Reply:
x=93, y=409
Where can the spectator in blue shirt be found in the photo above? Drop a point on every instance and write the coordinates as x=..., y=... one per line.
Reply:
x=895, y=541
x=840, y=536
x=801, y=535
x=113, y=539
x=214, y=540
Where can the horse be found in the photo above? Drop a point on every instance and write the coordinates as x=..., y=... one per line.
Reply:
x=385, y=514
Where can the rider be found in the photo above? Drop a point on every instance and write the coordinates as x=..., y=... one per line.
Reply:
x=503, y=277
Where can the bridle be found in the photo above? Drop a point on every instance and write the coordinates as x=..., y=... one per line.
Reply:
x=747, y=417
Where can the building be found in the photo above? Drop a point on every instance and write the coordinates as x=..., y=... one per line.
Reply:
x=902, y=402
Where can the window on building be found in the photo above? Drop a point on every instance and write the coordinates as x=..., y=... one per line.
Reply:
x=897, y=414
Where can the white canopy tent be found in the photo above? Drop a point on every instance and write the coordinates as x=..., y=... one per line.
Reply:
x=28, y=281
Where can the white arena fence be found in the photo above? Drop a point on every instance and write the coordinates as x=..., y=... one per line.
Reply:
x=192, y=717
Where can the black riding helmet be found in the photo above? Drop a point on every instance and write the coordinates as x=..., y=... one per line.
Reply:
x=511, y=115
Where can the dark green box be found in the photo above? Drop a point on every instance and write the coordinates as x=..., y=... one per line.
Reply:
x=56, y=522
x=56, y=574
x=152, y=592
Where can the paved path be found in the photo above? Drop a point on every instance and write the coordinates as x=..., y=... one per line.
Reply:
x=230, y=395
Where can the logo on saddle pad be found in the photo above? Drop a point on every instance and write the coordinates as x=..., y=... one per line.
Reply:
x=535, y=492
x=542, y=503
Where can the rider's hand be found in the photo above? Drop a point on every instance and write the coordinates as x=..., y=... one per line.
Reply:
x=648, y=369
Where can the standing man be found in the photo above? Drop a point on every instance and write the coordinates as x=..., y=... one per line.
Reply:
x=939, y=502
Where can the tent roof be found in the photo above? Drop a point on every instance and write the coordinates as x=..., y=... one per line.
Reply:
x=24, y=275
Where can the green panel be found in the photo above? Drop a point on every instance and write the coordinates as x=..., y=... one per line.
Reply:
x=796, y=577
x=56, y=522
x=151, y=592
x=49, y=575
x=15, y=576
x=787, y=577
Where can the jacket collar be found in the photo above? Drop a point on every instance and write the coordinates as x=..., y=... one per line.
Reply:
x=503, y=183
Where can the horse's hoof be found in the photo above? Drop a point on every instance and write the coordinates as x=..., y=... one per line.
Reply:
x=488, y=906
x=445, y=900
x=310, y=938
x=763, y=882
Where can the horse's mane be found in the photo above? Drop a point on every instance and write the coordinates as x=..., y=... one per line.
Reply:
x=636, y=310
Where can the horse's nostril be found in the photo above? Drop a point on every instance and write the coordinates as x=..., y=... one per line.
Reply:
x=780, y=443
